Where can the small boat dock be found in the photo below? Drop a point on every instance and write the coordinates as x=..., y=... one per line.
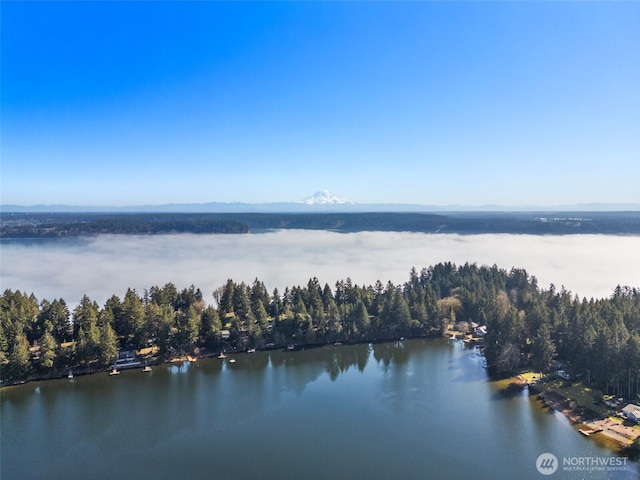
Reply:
x=589, y=431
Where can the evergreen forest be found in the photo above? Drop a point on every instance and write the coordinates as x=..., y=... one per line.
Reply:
x=598, y=340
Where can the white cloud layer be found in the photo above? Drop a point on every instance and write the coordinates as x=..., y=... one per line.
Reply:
x=588, y=265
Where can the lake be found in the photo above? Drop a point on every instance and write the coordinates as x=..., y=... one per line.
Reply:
x=412, y=409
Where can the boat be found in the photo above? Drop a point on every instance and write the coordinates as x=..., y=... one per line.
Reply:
x=291, y=347
x=146, y=368
x=233, y=360
x=70, y=375
x=222, y=355
x=114, y=371
x=251, y=350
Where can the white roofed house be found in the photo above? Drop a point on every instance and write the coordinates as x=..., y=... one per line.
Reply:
x=632, y=412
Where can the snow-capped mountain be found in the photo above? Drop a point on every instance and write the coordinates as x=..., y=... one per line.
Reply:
x=325, y=197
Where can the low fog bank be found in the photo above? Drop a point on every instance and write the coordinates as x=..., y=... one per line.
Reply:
x=588, y=265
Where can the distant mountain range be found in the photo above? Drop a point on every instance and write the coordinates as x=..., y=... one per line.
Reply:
x=321, y=201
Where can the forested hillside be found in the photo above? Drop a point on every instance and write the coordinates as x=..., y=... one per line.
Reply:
x=526, y=326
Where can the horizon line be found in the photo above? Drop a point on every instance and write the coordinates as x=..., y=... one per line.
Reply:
x=614, y=206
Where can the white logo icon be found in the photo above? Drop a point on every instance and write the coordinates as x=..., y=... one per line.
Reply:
x=547, y=464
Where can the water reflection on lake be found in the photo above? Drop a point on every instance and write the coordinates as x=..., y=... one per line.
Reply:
x=412, y=409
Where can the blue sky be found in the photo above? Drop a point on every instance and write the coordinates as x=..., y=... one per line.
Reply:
x=471, y=103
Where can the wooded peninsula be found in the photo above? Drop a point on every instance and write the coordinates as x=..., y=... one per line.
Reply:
x=60, y=225
x=525, y=326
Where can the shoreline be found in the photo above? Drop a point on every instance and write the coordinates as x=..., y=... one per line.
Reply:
x=199, y=353
x=150, y=361
x=610, y=433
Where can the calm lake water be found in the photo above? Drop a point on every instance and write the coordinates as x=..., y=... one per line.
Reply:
x=416, y=409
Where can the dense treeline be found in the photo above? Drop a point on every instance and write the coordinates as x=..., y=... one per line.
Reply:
x=37, y=225
x=53, y=226
x=465, y=223
x=527, y=327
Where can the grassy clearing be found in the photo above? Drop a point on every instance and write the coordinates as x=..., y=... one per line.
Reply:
x=588, y=398
x=530, y=377
x=145, y=352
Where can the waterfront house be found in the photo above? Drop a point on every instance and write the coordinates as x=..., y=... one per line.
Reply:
x=632, y=412
x=127, y=359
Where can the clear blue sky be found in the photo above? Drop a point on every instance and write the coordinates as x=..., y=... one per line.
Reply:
x=512, y=103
